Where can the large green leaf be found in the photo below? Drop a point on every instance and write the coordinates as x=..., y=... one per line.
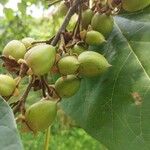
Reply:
x=115, y=108
x=9, y=137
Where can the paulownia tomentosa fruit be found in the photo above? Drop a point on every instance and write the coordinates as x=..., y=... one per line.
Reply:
x=7, y=85
x=67, y=86
x=77, y=49
x=41, y=115
x=15, y=49
x=62, y=9
x=86, y=18
x=68, y=65
x=27, y=42
x=40, y=58
x=92, y=64
x=94, y=38
x=134, y=5
x=102, y=23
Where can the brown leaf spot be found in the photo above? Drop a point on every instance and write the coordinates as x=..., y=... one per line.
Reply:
x=137, y=98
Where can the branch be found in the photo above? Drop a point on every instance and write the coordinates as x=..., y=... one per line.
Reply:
x=43, y=86
x=66, y=21
x=21, y=103
x=53, y=3
x=78, y=24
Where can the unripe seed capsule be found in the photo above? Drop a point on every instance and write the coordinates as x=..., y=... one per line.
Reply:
x=102, y=23
x=41, y=58
x=94, y=38
x=67, y=86
x=68, y=65
x=27, y=42
x=15, y=49
x=7, y=85
x=41, y=115
x=92, y=64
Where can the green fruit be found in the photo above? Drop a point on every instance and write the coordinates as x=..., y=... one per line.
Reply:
x=134, y=5
x=77, y=49
x=94, y=38
x=41, y=58
x=27, y=42
x=102, y=23
x=62, y=9
x=92, y=64
x=68, y=65
x=41, y=115
x=7, y=85
x=67, y=87
x=14, y=48
x=86, y=18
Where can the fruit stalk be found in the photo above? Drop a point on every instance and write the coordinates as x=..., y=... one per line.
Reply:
x=66, y=21
x=47, y=139
x=21, y=102
x=78, y=24
x=43, y=86
x=53, y=3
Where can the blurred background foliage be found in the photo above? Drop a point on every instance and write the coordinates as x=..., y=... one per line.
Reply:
x=35, y=18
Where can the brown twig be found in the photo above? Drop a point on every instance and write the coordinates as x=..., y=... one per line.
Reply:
x=43, y=86
x=66, y=21
x=21, y=103
x=44, y=41
x=53, y=3
x=78, y=24
x=37, y=42
x=47, y=87
x=51, y=89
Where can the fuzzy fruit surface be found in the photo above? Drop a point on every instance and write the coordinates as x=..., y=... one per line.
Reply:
x=77, y=49
x=102, y=23
x=68, y=65
x=92, y=64
x=41, y=58
x=7, y=85
x=134, y=5
x=94, y=38
x=41, y=115
x=62, y=9
x=27, y=42
x=86, y=18
x=14, y=48
x=67, y=86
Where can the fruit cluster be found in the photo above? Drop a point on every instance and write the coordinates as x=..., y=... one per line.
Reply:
x=69, y=57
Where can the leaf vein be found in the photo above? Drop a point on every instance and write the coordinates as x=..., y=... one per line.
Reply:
x=147, y=75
